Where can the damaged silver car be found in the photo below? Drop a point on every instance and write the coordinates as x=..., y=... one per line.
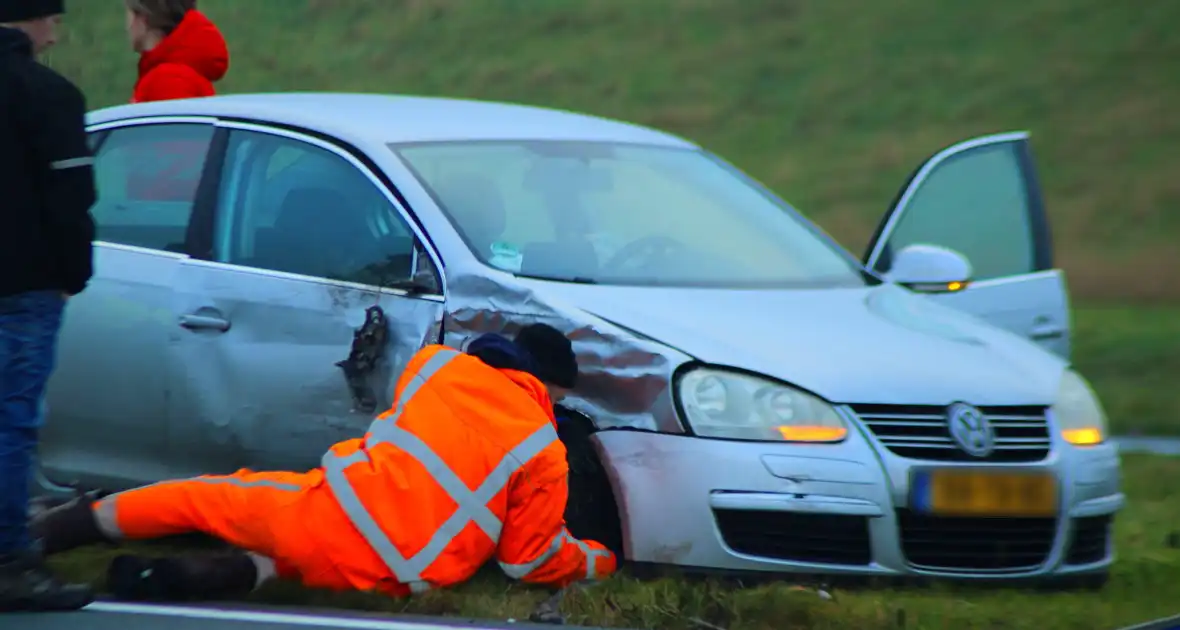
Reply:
x=753, y=399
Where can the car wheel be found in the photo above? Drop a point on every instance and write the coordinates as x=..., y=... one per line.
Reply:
x=591, y=512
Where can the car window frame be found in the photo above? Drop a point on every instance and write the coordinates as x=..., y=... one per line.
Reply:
x=880, y=251
x=193, y=237
x=357, y=160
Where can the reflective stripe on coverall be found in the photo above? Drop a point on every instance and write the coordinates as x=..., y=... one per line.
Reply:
x=466, y=465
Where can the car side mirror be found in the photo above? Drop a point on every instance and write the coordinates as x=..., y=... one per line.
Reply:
x=930, y=269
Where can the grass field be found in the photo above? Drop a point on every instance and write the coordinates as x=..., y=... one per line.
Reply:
x=1132, y=357
x=832, y=103
x=1141, y=588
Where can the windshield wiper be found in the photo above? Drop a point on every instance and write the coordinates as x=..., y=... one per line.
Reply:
x=570, y=279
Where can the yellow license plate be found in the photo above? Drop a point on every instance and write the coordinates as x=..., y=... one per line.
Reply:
x=950, y=492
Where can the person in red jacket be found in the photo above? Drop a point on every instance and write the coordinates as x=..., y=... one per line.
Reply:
x=181, y=52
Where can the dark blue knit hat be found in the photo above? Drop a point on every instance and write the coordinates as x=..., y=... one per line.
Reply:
x=539, y=349
x=23, y=10
x=552, y=352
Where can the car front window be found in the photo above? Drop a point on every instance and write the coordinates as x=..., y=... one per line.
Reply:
x=607, y=213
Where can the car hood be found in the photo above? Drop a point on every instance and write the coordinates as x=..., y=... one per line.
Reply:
x=880, y=344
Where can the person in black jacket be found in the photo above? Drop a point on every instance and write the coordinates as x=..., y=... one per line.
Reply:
x=46, y=190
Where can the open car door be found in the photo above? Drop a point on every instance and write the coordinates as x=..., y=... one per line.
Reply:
x=981, y=199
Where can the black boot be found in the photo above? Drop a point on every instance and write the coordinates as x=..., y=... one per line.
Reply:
x=179, y=578
x=67, y=526
x=26, y=584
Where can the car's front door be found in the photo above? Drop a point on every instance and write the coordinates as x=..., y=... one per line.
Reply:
x=981, y=198
x=107, y=400
x=305, y=240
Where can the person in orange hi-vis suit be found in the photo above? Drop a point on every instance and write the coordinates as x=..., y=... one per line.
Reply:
x=466, y=466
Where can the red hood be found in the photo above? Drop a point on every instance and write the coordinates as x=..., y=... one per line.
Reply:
x=196, y=43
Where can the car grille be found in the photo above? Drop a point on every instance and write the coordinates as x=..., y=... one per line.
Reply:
x=920, y=432
x=1089, y=542
x=821, y=538
x=975, y=544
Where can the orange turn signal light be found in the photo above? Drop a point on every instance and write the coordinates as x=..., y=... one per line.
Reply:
x=805, y=433
x=1082, y=437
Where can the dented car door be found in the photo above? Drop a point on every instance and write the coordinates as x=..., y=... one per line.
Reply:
x=315, y=292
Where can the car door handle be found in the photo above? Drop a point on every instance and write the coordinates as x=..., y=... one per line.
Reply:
x=1047, y=330
x=204, y=322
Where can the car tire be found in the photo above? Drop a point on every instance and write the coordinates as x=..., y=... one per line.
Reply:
x=591, y=512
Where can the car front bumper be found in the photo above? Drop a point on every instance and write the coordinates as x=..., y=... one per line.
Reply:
x=842, y=510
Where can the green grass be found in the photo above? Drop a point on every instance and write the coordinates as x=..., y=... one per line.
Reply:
x=1131, y=355
x=1142, y=587
x=830, y=102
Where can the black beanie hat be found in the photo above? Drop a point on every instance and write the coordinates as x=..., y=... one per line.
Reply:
x=552, y=354
x=23, y=10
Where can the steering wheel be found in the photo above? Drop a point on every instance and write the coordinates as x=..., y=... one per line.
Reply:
x=647, y=248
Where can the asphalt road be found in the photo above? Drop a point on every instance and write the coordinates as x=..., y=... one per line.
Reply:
x=1167, y=623
x=1154, y=445
x=119, y=616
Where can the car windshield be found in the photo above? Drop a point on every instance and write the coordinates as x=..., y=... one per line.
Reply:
x=621, y=214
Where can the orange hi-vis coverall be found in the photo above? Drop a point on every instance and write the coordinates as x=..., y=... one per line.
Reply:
x=467, y=465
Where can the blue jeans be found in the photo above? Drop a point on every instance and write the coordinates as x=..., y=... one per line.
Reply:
x=29, y=324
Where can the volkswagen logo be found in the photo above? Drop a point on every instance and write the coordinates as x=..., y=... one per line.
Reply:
x=970, y=430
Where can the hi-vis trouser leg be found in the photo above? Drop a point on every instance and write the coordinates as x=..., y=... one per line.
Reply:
x=472, y=505
x=244, y=509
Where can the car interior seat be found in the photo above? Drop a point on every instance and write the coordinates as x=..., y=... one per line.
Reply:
x=475, y=204
x=317, y=233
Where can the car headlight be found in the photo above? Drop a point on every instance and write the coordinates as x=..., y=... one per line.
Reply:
x=723, y=404
x=1078, y=412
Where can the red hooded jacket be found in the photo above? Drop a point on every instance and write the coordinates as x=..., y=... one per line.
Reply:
x=185, y=63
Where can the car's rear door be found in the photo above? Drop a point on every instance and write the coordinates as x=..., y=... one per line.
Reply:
x=981, y=198
x=305, y=239
x=107, y=400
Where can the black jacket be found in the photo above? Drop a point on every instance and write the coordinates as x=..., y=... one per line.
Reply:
x=46, y=180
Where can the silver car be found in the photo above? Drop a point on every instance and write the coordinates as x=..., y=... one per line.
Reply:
x=753, y=398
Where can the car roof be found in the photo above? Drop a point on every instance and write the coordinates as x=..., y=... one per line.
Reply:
x=400, y=118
